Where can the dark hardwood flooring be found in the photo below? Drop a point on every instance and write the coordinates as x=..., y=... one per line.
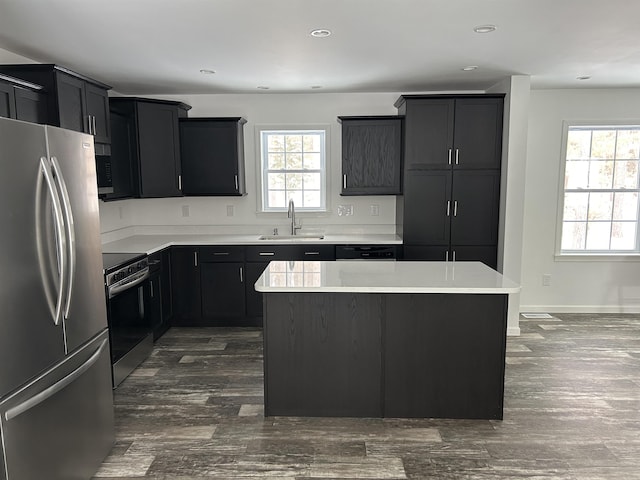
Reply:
x=194, y=411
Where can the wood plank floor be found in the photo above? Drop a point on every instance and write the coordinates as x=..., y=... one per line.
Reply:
x=572, y=412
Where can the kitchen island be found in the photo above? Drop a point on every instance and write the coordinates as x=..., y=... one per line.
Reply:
x=384, y=339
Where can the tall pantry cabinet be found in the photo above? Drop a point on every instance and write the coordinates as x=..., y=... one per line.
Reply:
x=453, y=149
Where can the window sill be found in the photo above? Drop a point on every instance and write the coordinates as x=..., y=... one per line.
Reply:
x=597, y=257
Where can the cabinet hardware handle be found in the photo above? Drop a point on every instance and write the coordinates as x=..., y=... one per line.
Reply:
x=449, y=156
x=344, y=181
x=457, y=156
x=455, y=208
x=89, y=124
x=236, y=180
x=221, y=253
x=312, y=253
x=448, y=208
x=179, y=182
x=95, y=130
x=266, y=254
x=241, y=276
x=454, y=255
x=195, y=259
x=446, y=256
x=151, y=287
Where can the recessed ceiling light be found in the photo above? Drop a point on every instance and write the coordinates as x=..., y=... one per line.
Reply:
x=207, y=71
x=485, y=28
x=584, y=77
x=320, y=33
x=262, y=87
x=470, y=68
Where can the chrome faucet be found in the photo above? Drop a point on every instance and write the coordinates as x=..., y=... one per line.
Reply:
x=291, y=213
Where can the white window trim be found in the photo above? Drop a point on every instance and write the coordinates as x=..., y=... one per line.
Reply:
x=258, y=129
x=587, y=255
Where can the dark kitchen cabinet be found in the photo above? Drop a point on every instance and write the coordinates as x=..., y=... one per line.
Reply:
x=457, y=132
x=22, y=100
x=212, y=156
x=118, y=167
x=158, y=292
x=74, y=101
x=253, y=299
x=222, y=283
x=155, y=144
x=450, y=204
x=452, y=215
x=185, y=286
x=371, y=155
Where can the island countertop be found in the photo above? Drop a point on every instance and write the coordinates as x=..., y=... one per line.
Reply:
x=371, y=276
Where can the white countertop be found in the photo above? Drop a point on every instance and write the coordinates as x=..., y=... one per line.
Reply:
x=371, y=276
x=152, y=243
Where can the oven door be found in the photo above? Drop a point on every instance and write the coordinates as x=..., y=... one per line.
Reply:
x=130, y=329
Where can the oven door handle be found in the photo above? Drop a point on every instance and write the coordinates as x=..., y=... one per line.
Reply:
x=131, y=282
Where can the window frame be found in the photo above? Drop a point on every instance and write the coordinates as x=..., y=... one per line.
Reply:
x=262, y=170
x=615, y=255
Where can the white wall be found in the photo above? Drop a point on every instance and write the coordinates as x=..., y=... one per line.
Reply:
x=273, y=109
x=576, y=285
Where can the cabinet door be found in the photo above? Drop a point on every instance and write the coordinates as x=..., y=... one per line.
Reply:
x=371, y=156
x=158, y=143
x=476, y=203
x=185, y=282
x=122, y=156
x=429, y=133
x=97, y=102
x=222, y=290
x=165, y=286
x=71, y=104
x=7, y=100
x=478, y=133
x=252, y=297
x=31, y=106
x=210, y=157
x=427, y=208
x=153, y=304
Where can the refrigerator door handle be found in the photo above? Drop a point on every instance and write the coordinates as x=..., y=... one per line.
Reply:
x=70, y=233
x=61, y=244
x=56, y=387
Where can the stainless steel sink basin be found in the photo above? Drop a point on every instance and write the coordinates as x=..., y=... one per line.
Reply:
x=299, y=236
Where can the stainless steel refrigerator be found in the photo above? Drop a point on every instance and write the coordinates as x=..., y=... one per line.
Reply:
x=56, y=401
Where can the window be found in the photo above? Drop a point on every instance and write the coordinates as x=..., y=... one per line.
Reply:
x=601, y=186
x=293, y=166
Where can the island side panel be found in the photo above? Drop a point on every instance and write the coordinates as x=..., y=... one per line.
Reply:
x=323, y=354
x=445, y=355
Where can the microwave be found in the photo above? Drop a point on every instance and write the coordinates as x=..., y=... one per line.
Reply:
x=103, y=174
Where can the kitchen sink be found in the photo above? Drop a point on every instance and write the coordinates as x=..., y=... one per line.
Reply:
x=299, y=236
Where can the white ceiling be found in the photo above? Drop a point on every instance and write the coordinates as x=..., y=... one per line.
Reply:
x=159, y=46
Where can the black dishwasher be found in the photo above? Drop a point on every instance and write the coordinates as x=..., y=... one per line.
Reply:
x=368, y=252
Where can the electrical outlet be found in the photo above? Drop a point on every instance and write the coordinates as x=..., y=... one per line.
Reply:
x=546, y=280
x=345, y=210
x=185, y=211
x=230, y=212
x=374, y=210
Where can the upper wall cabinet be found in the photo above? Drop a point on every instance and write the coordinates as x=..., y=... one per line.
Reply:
x=212, y=156
x=22, y=100
x=458, y=132
x=371, y=155
x=74, y=101
x=154, y=144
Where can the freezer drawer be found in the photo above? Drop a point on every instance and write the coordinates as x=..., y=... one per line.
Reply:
x=60, y=427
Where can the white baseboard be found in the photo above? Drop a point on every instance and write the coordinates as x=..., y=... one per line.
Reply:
x=580, y=308
x=513, y=331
